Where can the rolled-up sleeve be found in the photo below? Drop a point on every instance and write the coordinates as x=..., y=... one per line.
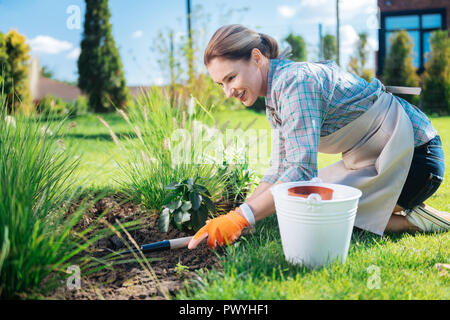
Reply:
x=300, y=111
x=276, y=163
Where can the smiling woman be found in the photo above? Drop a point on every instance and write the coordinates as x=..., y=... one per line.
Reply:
x=227, y=58
x=317, y=106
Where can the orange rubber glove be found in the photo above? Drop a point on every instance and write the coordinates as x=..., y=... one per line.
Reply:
x=224, y=229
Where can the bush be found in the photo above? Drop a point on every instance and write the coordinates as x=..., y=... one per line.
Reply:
x=14, y=56
x=52, y=106
x=398, y=66
x=79, y=107
x=156, y=159
x=36, y=238
x=436, y=78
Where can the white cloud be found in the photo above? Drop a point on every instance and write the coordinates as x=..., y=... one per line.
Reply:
x=74, y=54
x=49, y=45
x=137, y=34
x=348, y=36
x=286, y=11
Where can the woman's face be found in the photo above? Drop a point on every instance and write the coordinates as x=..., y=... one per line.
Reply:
x=244, y=80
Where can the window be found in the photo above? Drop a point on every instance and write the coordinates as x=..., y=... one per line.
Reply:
x=418, y=24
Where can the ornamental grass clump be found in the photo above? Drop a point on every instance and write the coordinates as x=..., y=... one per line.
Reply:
x=169, y=143
x=36, y=238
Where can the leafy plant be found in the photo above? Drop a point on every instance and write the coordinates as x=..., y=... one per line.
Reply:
x=436, y=78
x=239, y=181
x=36, y=238
x=187, y=205
x=180, y=269
x=398, y=66
x=163, y=150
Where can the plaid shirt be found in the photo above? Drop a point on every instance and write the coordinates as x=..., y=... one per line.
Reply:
x=305, y=101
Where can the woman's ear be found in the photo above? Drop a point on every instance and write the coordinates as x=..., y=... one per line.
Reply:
x=257, y=56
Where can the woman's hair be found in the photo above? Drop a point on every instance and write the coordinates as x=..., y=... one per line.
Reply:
x=236, y=42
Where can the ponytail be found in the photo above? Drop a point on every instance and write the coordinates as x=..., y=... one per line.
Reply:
x=236, y=42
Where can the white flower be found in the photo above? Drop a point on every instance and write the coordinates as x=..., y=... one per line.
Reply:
x=10, y=121
x=191, y=106
x=46, y=131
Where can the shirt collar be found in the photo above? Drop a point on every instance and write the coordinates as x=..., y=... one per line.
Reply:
x=272, y=66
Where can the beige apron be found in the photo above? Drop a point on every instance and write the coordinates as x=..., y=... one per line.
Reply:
x=377, y=150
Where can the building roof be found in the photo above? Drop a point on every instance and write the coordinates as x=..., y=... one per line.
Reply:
x=46, y=86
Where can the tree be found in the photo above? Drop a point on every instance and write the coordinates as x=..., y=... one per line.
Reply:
x=99, y=65
x=357, y=64
x=436, y=78
x=14, y=64
x=298, y=46
x=329, y=47
x=398, y=66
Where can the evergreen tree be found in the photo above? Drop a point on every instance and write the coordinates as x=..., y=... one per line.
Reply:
x=298, y=46
x=436, y=78
x=14, y=64
x=398, y=66
x=329, y=47
x=99, y=65
x=357, y=64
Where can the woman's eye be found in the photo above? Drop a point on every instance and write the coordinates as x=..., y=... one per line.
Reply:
x=231, y=78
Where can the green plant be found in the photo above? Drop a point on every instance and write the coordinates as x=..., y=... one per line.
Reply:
x=164, y=149
x=36, y=238
x=239, y=181
x=99, y=65
x=14, y=56
x=51, y=106
x=357, y=63
x=436, y=78
x=78, y=107
x=187, y=205
x=398, y=66
x=180, y=269
x=298, y=46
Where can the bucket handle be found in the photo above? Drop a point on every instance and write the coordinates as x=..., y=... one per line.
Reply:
x=314, y=198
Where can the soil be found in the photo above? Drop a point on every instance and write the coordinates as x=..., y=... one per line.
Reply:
x=131, y=280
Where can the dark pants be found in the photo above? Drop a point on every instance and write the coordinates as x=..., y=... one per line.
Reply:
x=425, y=174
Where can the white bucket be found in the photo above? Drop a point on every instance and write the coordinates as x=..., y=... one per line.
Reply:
x=315, y=232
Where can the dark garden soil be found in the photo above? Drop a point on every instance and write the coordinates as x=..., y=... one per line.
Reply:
x=131, y=280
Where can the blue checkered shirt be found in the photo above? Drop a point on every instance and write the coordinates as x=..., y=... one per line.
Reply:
x=306, y=101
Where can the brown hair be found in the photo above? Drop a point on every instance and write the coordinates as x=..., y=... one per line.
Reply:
x=236, y=42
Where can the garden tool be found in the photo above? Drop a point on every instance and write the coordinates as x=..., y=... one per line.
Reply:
x=161, y=245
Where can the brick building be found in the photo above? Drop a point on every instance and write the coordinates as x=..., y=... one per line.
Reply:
x=419, y=18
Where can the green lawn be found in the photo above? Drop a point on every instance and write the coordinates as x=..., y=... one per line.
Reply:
x=378, y=267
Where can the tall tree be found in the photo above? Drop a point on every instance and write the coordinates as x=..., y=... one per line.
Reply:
x=329, y=47
x=14, y=65
x=358, y=62
x=99, y=65
x=298, y=46
x=398, y=66
x=436, y=78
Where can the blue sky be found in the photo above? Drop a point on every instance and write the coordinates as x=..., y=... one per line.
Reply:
x=136, y=24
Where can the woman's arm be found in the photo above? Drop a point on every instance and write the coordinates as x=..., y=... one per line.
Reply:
x=263, y=186
x=262, y=204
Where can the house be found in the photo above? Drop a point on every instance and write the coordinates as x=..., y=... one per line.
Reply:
x=41, y=86
x=419, y=18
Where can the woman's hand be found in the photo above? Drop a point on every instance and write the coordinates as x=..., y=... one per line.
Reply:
x=221, y=230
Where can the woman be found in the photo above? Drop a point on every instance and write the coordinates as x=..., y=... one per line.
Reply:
x=390, y=150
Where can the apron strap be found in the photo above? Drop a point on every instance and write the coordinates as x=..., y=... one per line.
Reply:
x=402, y=90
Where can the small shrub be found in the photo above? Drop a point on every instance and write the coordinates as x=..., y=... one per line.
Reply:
x=187, y=205
x=51, y=106
x=239, y=181
x=436, y=78
x=398, y=66
x=79, y=107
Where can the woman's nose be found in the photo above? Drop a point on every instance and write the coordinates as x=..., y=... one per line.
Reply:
x=229, y=92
